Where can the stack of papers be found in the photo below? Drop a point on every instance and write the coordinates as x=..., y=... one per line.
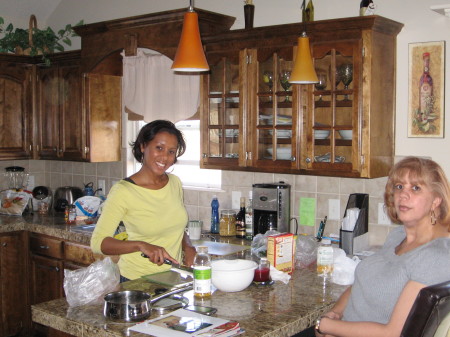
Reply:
x=188, y=323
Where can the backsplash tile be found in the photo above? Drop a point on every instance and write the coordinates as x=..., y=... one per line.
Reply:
x=58, y=173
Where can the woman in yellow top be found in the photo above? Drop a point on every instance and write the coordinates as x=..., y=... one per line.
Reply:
x=150, y=204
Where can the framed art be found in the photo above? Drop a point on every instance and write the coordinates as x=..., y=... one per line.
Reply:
x=426, y=89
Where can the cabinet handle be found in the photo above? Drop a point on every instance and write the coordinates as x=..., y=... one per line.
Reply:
x=57, y=268
x=293, y=158
x=55, y=149
x=60, y=150
x=4, y=244
x=308, y=160
x=44, y=247
x=204, y=155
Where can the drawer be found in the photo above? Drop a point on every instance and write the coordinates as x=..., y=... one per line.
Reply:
x=78, y=254
x=44, y=245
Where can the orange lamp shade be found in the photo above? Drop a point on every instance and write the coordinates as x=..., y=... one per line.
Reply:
x=190, y=56
x=303, y=72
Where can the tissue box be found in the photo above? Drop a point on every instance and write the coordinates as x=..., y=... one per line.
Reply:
x=280, y=251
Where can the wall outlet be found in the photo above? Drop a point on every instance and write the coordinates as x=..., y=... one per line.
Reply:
x=235, y=199
x=334, y=209
x=101, y=184
x=383, y=219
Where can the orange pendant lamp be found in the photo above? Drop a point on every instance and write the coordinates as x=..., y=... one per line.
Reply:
x=190, y=56
x=303, y=72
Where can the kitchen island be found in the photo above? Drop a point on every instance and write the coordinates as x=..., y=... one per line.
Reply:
x=273, y=311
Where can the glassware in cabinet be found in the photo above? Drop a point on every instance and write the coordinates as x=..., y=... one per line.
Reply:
x=222, y=116
x=335, y=121
x=274, y=108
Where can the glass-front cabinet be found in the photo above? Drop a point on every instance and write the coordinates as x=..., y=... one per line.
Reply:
x=253, y=119
x=334, y=123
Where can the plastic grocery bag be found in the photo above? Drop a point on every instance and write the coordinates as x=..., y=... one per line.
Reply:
x=259, y=243
x=344, y=267
x=305, y=251
x=88, y=285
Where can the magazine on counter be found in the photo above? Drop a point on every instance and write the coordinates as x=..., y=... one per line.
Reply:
x=185, y=323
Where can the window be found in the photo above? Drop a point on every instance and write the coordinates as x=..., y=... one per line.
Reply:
x=187, y=167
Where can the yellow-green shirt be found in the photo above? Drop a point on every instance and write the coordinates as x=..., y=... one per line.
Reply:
x=154, y=216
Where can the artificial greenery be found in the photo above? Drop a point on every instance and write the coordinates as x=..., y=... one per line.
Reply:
x=45, y=41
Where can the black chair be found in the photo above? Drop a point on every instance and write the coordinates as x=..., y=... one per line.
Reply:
x=430, y=309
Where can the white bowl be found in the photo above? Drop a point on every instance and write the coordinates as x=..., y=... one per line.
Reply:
x=321, y=134
x=346, y=134
x=283, y=153
x=232, y=275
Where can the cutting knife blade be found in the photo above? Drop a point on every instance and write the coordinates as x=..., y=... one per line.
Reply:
x=180, y=269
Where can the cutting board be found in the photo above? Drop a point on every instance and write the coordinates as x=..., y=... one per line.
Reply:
x=220, y=249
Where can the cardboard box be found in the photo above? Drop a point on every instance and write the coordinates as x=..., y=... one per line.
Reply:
x=281, y=251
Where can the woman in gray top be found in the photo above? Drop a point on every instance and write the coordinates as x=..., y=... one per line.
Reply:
x=415, y=255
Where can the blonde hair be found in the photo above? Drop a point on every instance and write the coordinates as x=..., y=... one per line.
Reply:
x=426, y=172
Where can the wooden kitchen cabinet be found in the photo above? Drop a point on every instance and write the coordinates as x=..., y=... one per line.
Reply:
x=15, y=108
x=13, y=289
x=248, y=123
x=61, y=120
x=79, y=115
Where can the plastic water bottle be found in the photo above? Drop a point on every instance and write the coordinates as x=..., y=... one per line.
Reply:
x=325, y=258
x=202, y=273
x=215, y=215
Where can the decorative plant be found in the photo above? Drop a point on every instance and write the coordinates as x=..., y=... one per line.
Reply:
x=37, y=42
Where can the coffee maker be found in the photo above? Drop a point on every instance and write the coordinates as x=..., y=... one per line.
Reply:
x=271, y=207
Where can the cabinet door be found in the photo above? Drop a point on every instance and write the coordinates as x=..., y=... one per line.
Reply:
x=275, y=116
x=46, y=279
x=15, y=111
x=13, y=299
x=71, y=115
x=221, y=113
x=48, y=112
x=335, y=122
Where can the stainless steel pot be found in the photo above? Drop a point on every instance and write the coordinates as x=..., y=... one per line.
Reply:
x=133, y=305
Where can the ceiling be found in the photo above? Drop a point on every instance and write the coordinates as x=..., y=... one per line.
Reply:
x=12, y=10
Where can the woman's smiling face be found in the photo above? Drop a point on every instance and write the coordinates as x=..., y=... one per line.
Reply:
x=160, y=152
x=413, y=201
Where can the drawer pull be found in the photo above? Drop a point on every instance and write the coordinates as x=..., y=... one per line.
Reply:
x=57, y=268
x=44, y=247
x=4, y=244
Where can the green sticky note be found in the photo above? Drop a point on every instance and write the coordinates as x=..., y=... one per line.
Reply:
x=307, y=211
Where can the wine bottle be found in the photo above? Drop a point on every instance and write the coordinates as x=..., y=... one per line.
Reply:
x=307, y=11
x=425, y=87
x=240, y=220
x=366, y=7
x=249, y=229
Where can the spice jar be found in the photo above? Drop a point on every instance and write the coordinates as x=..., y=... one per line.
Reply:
x=227, y=225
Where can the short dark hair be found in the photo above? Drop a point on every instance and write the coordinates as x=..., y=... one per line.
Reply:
x=150, y=130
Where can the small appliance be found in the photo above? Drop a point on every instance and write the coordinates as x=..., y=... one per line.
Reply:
x=42, y=198
x=271, y=207
x=65, y=196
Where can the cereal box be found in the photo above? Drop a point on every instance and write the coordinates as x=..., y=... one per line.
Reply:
x=281, y=251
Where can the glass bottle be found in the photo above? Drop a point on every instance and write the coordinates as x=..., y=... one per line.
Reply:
x=240, y=220
x=307, y=11
x=249, y=217
x=215, y=215
x=425, y=88
x=366, y=7
x=325, y=258
x=71, y=217
x=202, y=273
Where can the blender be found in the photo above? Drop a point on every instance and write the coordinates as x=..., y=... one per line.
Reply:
x=14, y=199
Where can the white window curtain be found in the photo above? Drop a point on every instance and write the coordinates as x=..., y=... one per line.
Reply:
x=152, y=90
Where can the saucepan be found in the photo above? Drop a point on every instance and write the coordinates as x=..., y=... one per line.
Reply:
x=134, y=305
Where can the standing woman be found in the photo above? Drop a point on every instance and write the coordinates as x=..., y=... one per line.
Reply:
x=415, y=255
x=150, y=204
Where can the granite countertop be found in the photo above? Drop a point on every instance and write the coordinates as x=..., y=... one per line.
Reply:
x=271, y=311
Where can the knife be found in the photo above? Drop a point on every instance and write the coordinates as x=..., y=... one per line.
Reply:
x=176, y=267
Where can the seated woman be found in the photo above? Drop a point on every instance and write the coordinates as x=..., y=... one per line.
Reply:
x=415, y=254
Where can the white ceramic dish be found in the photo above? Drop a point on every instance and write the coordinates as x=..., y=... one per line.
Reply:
x=321, y=134
x=346, y=134
x=282, y=133
x=283, y=153
x=232, y=275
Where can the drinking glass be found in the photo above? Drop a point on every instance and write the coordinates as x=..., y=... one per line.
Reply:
x=322, y=84
x=284, y=81
x=346, y=73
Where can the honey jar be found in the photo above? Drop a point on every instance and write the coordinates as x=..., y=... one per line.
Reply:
x=227, y=225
